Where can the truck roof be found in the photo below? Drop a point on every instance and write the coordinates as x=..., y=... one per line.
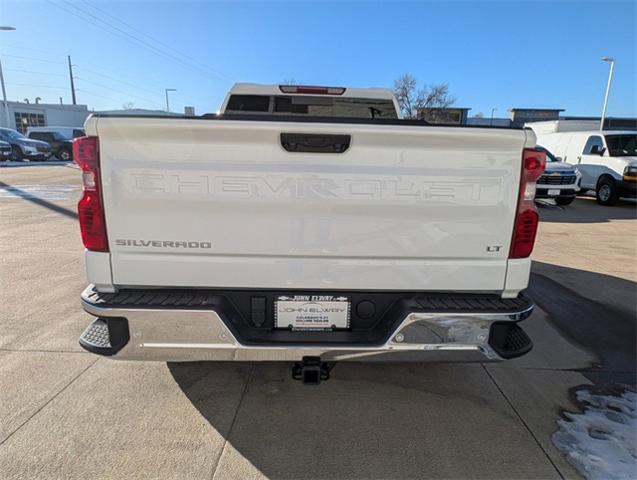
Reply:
x=260, y=89
x=592, y=132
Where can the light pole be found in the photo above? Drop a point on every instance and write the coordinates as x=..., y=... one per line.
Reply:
x=169, y=90
x=492, y=110
x=4, y=91
x=610, y=79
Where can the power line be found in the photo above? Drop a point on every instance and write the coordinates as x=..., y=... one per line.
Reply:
x=20, y=47
x=36, y=86
x=73, y=12
x=82, y=67
x=34, y=72
x=97, y=95
x=114, y=79
x=31, y=58
x=159, y=42
x=154, y=102
x=109, y=27
x=123, y=82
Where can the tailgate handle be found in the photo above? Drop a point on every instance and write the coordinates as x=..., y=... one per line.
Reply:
x=315, y=143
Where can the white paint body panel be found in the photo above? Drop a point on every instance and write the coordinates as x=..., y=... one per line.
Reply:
x=405, y=208
x=98, y=270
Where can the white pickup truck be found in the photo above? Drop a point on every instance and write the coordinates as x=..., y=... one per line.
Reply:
x=306, y=224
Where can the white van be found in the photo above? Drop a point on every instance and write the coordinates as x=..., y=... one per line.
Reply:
x=606, y=159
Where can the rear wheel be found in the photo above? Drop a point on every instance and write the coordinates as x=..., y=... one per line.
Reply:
x=16, y=153
x=64, y=154
x=607, y=192
x=564, y=200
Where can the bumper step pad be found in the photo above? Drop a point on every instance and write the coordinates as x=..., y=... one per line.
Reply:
x=105, y=336
x=509, y=340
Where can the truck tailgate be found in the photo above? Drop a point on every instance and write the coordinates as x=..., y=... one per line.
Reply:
x=220, y=203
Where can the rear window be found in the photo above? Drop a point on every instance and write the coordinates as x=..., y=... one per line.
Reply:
x=248, y=103
x=315, y=106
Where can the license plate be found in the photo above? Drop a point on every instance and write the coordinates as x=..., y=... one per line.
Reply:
x=553, y=193
x=312, y=312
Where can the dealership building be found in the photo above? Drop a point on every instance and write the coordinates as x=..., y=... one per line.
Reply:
x=22, y=115
x=518, y=117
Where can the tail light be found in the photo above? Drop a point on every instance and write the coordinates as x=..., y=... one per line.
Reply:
x=526, y=217
x=307, y=89
x=90, y=208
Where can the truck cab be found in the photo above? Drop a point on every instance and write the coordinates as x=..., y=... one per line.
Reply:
x=310, y=101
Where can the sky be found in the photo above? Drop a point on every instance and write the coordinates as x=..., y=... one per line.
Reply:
x=493, y=54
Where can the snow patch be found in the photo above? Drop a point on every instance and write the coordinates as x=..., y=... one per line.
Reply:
x=601, y=441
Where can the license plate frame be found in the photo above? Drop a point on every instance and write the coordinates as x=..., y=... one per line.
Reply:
x=318, y=313
x=553, y=192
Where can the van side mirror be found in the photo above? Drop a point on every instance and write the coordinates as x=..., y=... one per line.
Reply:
x=559, y=159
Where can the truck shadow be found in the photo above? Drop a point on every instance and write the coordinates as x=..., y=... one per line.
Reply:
x=587, y=210
x=372, y=421
x=404, y=420
x=594, y=311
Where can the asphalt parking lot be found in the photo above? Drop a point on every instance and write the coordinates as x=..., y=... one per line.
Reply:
x=68, y=414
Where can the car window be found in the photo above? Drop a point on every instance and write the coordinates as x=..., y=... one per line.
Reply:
x=313, y=106
x=335, y=107
x=60, y=137
x=248, y=103
x=549, y=156
x=78, y=133
x=593, y=146
x=622, y=145
x=12, y=135
x=39, y=136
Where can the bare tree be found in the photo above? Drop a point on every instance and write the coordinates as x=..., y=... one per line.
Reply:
x=411, y=100
x=479, y=115
x=128, y=106
x=289, y=81
x=405, y=91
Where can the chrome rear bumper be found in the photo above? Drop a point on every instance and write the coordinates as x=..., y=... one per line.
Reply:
x=178, y=335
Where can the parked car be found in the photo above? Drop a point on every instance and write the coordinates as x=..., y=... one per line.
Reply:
x=23, y=147
x=68, y=132
x=606, y=159
x=61, y=145
x=560, y=180
x=306, y=226
x=5, y=150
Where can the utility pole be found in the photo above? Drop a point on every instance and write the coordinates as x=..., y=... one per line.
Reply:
x=72, y=83
x=167, y=104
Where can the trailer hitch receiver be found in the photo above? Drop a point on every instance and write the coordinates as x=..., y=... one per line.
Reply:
x=311, y=371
